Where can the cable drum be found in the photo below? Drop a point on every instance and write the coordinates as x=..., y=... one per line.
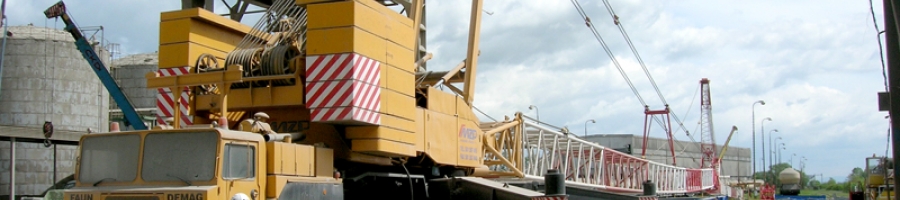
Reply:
x=249, y=59
x=207, y=63
x=276, y=61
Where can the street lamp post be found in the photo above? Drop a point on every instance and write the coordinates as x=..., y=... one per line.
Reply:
x=753, y=131
x=772, y=147
x=585, y=126
x=762, y=136
x=781, y=151
x=536, y=112
x=792, y=160
x=775, y=148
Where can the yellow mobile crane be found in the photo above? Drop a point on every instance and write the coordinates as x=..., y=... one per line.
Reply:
x=319, y=100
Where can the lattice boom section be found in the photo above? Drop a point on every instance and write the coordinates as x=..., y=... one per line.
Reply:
x=589, y=165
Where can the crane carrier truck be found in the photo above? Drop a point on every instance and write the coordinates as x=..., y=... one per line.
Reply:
x=331, y=100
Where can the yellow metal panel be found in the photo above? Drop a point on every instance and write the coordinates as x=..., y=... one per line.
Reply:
x=174, y=31
x=346, y=13
x=399, y=80
x=304, y=2
x=397, y=122
x=345, y=40
x=384, y=77
x=304, y=165
x=394, y=103
x=273, y=159
x=255, y=97
x=441, y=101
x=401, y=34
x=206, y=15
x=470, y=144
x=274, y=185
x=420, y=129
x=184, y=54
x=400, y=57
x=388, y=12
x=381, y=132
x=198, y=31
x=216, y=37
x=288, y=159
x=441, y=137
x=463, y=110
x=383, y=147
x=324, y=162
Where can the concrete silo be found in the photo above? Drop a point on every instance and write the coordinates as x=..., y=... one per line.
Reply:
x=45, y=78
x=130, y=71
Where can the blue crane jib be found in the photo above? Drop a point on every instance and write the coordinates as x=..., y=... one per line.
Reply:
x=131, y=116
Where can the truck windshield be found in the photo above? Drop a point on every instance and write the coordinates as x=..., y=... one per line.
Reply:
x=111, y=158
x=180, y=156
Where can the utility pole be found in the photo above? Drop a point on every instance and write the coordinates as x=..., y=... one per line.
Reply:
x=893, y=68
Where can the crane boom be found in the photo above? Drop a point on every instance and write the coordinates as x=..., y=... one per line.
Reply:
x=707, y=135
x=725, y=146
x=131, y=116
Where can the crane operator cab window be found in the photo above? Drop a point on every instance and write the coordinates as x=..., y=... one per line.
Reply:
x=112, y=158
x=239, y=161
x=180, y=157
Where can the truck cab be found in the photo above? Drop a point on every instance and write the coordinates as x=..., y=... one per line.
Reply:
x=182, y=164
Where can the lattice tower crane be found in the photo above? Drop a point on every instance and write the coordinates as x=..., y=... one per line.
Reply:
x=707, y=135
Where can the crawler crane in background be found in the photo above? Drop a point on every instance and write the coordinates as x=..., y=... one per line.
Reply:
x=330, y=100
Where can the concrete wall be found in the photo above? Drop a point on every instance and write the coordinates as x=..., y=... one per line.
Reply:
x=45, y=78
x=34, y=166
x=129, y=72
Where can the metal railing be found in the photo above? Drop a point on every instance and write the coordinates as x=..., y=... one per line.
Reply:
x=531, y=148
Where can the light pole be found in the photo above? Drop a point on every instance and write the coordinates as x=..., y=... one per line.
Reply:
x=753, y=131
x=535, y=108
x=775, y=152
x=792, y=160
x=772, y=147
x=762, y=132
x=585, y=126
x=781, y=151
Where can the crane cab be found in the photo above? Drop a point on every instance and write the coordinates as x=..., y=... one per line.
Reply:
x=184, y=164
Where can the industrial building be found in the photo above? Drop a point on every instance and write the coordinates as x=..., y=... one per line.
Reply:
x=45, y=80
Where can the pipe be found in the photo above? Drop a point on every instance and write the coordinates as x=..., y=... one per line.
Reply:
x=5, y=27
x=54, y=166
x=12, y=168
x=286, y=137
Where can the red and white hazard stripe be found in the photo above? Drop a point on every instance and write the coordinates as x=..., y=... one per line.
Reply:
x=648, y=198
x=343, y=67
x=343, y=88
x=550, y=198
x=345, y=114
x=165, y=100
x=341, y=93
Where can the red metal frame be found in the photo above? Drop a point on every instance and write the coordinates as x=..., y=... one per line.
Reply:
x=668, y=120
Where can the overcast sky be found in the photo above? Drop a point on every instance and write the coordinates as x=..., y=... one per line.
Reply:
x=815, y=63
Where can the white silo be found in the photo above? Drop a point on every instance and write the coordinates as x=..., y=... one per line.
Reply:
x=129, y=71
x=45, y=78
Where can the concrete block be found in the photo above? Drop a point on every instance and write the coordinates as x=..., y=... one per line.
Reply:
x=19, y=153
x=44, y=178
x=4, y=189
x=20, y=178
x=4, y=178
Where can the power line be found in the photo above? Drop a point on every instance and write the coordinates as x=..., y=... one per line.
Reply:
x=880, y=46
x=587, y=21
x=599, y=38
